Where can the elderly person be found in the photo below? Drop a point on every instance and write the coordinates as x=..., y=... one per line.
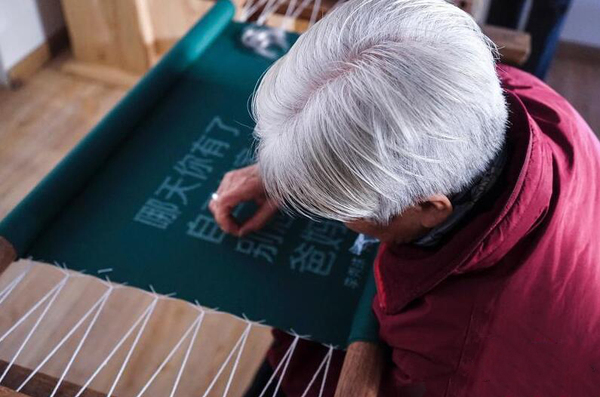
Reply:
x=482, y=183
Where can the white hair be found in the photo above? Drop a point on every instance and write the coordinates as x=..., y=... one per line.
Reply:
x=378, y=106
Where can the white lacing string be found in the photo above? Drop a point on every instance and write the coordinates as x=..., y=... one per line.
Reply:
x=301, y=8
x=326, y=371
x=174, y=350
x=98, y=305
x=241, y=341
x=292, y=15
x=285, y=360
x=129, y=353
x=13, y=284
x=268, y=11
x=285, y=23
x=81, y=342
x=146, y=314
x=55, y=294
x=187, y=354
x=283, y=372
x=315, y=13
x=290, y=8
x=250, y=9
x=324, y=363
x=237, y=360
x=32, y=309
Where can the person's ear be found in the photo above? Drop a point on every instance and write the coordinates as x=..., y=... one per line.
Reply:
x=435, y=210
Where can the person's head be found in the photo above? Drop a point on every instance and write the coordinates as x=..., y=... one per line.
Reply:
x=378, y=113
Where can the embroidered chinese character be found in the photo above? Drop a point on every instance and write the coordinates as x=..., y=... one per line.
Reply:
x=175, y=189
x=210, y=147
x=218, y=123
x=205, y=228
x=351, y=282
x=281, y=224
x=256, y=249
x=356, y=268
x=193, y=166
x=264, y=236
x=307, y=257
x=157, y=214
x=327, y=233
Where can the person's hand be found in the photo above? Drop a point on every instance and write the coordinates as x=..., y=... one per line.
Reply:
x=236, y=187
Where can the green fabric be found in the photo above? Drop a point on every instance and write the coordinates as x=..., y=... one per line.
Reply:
x=133, y=197
x=365, y=326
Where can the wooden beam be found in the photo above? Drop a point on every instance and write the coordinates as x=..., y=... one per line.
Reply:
x=6, y=392
x=361, y=372
x=40, y=385
x=7, y=254
x=514, y=46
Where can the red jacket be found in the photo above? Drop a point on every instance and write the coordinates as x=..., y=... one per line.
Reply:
x=509, y=306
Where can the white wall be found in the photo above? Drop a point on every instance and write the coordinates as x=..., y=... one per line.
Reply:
x=583, y=23
x=25, y=25
x=3, y=74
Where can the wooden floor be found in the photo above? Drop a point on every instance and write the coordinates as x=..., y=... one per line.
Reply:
x=578, y=80
x=47, y=116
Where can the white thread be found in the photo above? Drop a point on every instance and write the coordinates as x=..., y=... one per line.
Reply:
x=80, y=344
x=98, y=303
x=37, y=323
x=290, y=8
x=330, y=353
x=247, y=5
x=287, y=363
x=32, y=309
x=237, y=359
x=323, y=363
x=286, y=21
x=251, y=10
x=284, y=361
x=130, y=351
x=220, y=371
x=257, y=323
x=187, y=355
x=13, y=284
x=147, y=312
x=169, y=356
x=304, y=4
x=315, y=13
x=107, y=270
x=267, y=12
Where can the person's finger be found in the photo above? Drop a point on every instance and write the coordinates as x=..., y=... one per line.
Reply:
x=212, y=206
x=225, y=183
x=259, y=219
x=227, y=223
x=235, y=195
x=223, y=217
